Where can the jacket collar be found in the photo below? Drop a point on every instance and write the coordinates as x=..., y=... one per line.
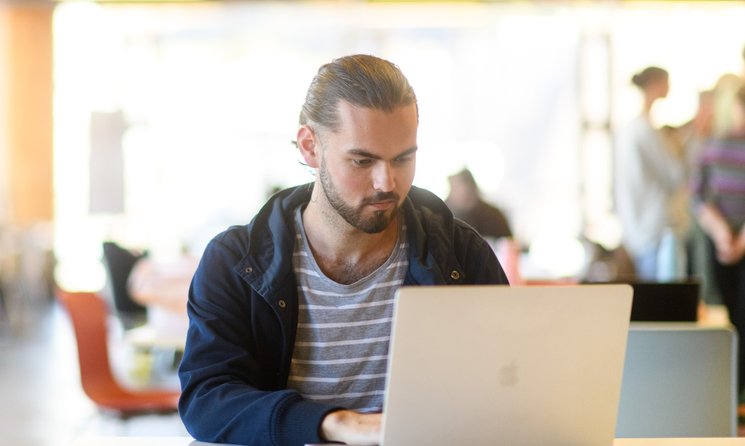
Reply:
x=272, y=235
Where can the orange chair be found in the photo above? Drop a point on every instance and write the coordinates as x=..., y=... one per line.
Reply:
x=88, y=313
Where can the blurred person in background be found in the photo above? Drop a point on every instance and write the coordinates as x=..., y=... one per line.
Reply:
x=713, y=119
x=719, y=200
x=648, y=175
x=466, y=202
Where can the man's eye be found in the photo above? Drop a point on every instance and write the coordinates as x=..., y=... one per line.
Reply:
x=361, y=162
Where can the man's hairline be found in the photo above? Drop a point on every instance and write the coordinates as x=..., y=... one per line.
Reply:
x=316, y=126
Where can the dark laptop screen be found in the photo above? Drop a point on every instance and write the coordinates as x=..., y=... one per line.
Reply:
x=663, y=301
x=673, y=301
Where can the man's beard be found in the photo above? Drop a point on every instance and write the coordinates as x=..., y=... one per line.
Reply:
x=371, y=225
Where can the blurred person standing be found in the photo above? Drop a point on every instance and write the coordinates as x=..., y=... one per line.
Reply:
x=719, y=199
x=712, y=120
x=648, y=176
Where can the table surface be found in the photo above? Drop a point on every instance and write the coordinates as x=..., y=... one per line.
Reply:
x=188, y=441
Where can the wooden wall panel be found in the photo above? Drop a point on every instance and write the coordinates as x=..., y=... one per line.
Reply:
x=3, y=114
x=29, y=112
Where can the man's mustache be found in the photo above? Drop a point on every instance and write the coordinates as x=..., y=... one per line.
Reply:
x=381, y=196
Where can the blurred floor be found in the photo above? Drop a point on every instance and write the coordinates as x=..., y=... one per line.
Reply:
x=41, y=401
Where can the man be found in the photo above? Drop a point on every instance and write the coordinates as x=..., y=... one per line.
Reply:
x=290, y=315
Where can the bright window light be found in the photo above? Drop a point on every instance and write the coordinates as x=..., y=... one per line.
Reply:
x=209, y=94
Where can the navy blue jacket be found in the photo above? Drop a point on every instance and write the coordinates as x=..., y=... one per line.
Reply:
x=243, y=315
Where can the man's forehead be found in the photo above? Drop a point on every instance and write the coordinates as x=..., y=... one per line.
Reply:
x=346, y=111
x=346, y=108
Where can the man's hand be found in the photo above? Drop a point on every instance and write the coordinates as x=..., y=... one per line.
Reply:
x=351, y=427
x=733, y=253
x=729, y=249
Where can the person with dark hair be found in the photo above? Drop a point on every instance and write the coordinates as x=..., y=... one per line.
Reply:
x=290, y=315
x=647, y=177
x=719, y=200
x=466, y=202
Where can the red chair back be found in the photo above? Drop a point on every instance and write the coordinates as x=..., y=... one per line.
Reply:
x=89, y=315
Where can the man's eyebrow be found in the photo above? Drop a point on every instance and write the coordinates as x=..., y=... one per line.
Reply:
x=366, y=154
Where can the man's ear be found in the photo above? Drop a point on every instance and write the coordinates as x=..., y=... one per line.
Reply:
x=308, y=143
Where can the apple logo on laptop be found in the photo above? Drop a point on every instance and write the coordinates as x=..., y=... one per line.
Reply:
x=508, y=375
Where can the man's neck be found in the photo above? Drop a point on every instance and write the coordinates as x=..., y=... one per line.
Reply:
x=339, y=248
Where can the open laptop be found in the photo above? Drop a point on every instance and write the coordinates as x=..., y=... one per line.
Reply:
x=679, y=380
x=488, y=365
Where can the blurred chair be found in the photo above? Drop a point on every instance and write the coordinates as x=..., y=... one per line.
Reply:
x=88, y=313
x=679, y=380
x=119, y=263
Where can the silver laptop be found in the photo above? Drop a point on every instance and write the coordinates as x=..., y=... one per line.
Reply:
x=679, y=380
x=488, y=365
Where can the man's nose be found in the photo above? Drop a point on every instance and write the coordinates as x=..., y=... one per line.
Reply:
x=383, y=177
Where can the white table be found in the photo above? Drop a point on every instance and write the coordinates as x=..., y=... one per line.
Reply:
x=138, y=441
x=188, y=441
x=679, y=441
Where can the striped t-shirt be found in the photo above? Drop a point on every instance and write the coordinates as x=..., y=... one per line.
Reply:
x=341, y=348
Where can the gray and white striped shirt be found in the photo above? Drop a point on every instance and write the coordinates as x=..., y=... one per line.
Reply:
x=341, y=348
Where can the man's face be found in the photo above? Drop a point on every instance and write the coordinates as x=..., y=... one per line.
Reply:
x=367, y=166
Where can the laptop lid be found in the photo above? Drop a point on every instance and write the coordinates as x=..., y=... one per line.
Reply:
x=679, y=380
x=483, y=365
